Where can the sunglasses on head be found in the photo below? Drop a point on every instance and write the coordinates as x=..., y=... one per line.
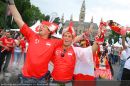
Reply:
x=63, y=53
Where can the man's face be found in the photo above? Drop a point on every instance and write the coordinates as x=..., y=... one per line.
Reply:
x=67, y=38
x=43, y=30
x=8, y=35
x=83, y=43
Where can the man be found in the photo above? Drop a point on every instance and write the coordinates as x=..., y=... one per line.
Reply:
x=123, y=59
x=40, y=49
x=126, y=69
x=84, y=43
x=68, y=58
x=7, y=47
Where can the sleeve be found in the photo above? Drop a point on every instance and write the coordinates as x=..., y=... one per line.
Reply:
x=84, y=62
x=1, y=39
x=27, y=32
x=58, y=42
x=83, y=53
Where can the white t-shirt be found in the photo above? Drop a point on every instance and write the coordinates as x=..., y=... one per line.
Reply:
x=127, y=63
x=128, y=52
x=123, y=55
x=84, y=62
x=109, y=49
x=17, y=47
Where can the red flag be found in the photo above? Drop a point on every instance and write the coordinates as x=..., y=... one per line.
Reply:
x=100, y=38
x=117, y=28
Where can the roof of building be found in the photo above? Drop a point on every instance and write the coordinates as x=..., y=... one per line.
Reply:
x=86, y=24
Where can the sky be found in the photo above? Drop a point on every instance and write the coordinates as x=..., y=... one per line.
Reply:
x=117, y=10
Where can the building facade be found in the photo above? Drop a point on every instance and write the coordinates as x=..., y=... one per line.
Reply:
x=82, y=26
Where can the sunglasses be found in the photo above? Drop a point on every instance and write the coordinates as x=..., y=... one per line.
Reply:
x=63, y=53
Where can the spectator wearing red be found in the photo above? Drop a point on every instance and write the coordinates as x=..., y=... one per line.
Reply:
x=40, y=49
x=68, y=59
x=7, y=47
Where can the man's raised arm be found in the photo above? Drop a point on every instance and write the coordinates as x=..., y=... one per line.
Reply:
x=123, y=41
x=16, y=15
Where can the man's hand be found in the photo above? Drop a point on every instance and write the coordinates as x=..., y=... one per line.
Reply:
x=86, y=34
x=10, y=2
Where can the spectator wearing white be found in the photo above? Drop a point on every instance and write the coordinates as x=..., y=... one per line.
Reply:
x=123, y=59
x=126, y=69
x=17, y=52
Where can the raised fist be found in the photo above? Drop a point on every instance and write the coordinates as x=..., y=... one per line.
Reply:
x=10, y=2
x=3, y=1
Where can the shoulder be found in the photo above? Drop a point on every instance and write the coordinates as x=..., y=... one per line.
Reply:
x=56, y=40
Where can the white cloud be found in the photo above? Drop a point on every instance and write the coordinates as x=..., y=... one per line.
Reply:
x=117, y=10
x=121, y=2
x=121, y=16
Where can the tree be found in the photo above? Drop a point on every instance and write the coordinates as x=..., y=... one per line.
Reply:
x=113, y=35
x=29, y=13
x=35, y=14
x=2, y=14
x=47, y=18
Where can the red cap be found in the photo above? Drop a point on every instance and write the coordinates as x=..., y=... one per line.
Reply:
x=69, y=29
x=51, y=26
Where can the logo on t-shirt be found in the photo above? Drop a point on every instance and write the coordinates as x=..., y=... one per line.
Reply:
x=70, y=54
x=48, y=44
x=36, y=41
x=58, y=52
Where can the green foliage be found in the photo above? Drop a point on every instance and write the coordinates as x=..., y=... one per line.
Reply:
x=32, y=14
x=47, y=18
x=29, y=13
x=57, y=20
x=113, y=35
x=2, y=14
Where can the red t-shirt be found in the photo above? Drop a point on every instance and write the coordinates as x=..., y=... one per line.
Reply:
x=39, y=53
x=63, y=66
x=7, y=42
